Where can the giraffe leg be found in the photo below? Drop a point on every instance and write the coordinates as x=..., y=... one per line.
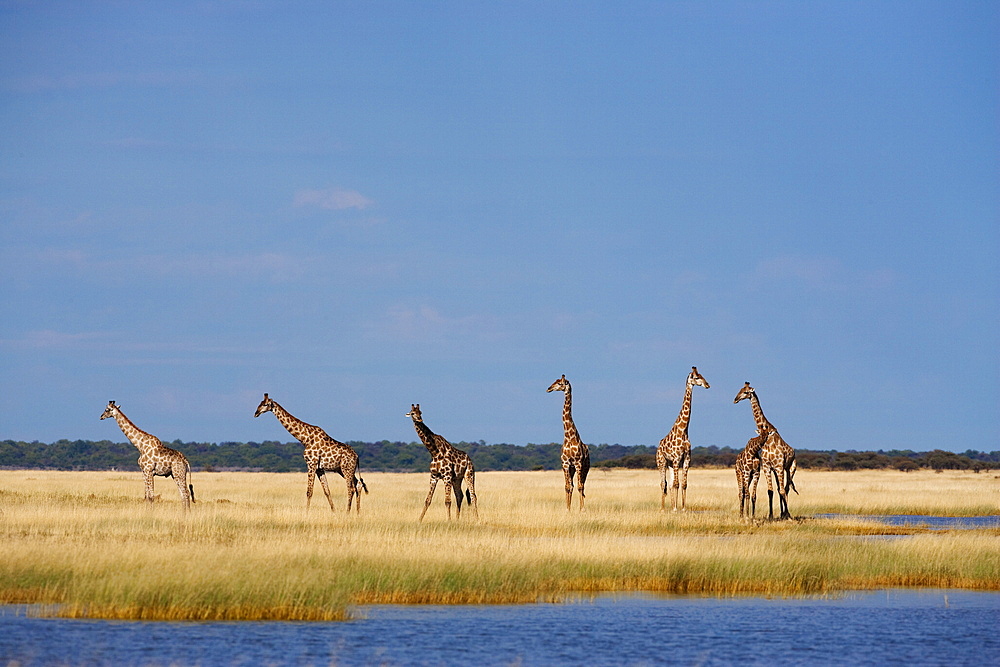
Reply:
x=663, y=485
x=447, y=497
x=582, y=480
x=771, y=474
x=309, y=485
x=783, y=493
x=430, y=494
x=147, y=477
x=457, y=484
x=180, y=477
x=753, y=493
x=357, y=489
x=470, y=491
x=348, y=472
x=684, y=484
x=740, y=490
x=568, y=471
x=326, y=487
x=675, y=483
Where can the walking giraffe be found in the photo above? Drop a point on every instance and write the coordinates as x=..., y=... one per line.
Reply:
x=675, y=448
x=448, y=463
x=322, y=453
x=777, y=458
x=155, y=459
x=575, y=455
x=748, y=473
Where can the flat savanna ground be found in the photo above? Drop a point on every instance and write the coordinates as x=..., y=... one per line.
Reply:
x=88, y=543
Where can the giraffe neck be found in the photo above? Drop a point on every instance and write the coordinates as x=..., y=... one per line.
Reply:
x=135, y=435
x=426, y=437
x=754, y=445
x=684, y=418
x=758, y=414
x=296, y=427
x=570, y=434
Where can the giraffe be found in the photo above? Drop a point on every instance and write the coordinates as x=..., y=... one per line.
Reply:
x=322, y=454
x=748, y=473
x=155, y=459
x=575, y=455
x=448, y=463
x=777, y=458
x=675, y=448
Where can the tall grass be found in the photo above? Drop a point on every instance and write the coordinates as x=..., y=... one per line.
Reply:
x=87, y=545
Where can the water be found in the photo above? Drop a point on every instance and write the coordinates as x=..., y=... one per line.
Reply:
x=927, y=627
x=932, y=522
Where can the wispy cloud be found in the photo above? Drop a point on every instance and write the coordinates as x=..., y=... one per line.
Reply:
x=425, y=324
x=279, y=267
x=127, y=350
x=276, y=266
x=332, y=199
x=822, y=272
x=49, y=339
x=40, y=83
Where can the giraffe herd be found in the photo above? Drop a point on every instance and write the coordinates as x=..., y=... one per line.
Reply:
x=766, y=453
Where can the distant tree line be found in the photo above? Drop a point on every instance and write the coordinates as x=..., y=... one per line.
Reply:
x=271, y=456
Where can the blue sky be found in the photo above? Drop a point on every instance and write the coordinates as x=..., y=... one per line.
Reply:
x=357, y=206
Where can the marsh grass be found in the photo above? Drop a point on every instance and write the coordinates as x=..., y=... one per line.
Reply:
x=86, y=544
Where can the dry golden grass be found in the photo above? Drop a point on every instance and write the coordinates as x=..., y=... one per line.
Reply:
x=87, y=544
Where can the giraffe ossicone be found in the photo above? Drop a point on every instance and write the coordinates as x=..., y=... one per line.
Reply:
x=322, y=454
x=448, y=463
x=155, y=459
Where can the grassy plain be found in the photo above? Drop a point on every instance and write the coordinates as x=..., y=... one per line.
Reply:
x=86, y=543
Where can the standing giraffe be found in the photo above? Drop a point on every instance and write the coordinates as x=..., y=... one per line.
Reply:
x=155, y=459
x=777, y=458
x=322, y=454
x=575, y=455
x=448, y=463
x=675, y=448
x=748, y=473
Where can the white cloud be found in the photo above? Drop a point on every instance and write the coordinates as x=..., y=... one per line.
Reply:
x=809, y=269
x=333, y=199
x=826, y=272
x=424, y=323
x=48, y=339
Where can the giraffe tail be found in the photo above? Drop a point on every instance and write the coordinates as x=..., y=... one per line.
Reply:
x=190, y=482
x=361, y=485
x=468, y=497
x=791, y=480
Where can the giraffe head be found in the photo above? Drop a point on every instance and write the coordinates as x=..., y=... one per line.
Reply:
x=562, y=384
x=415, y=412
x=746, y=392
x=265, y=406
x=110, y=410
x=696, y=378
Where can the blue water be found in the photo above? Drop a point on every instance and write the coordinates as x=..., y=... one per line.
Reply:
x=932, y=522
x=896, y=627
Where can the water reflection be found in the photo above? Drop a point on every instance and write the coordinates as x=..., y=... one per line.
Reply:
x=920, y=627
x=921, y=520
